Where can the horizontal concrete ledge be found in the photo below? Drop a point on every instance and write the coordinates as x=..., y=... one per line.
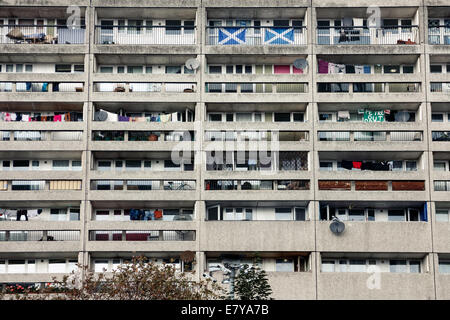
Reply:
x=261, y=50
x=141, y=246
x=120, y=78
x=256, y=3
x=369, y=78
x=43, y=126
x=443, y=286
x=373, y=126
x=40, y=246
x=40, y=224
x=258, y=236
x=438, y=97
x=145, y=49
x=371, y=175
x=44, y=96
x=366, y=3
x=142, y=225
x=251, y=145
x=440, y=196
x=256, y=78
x=398, y=286
x=371, y=145
x=47, y=49
x=374, y=97
x=144, y=97
x=33, y=195
x=437, y=48
x=42, y=145
x=391, y=236
x=42, y=175
x=49, y=3
x=440, y=146
x=132, y=195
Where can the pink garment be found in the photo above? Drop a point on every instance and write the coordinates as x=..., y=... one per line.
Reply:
x=323, y=66
x=57, y=118
x=7, y=117
x=297, y=70
x=282, y=69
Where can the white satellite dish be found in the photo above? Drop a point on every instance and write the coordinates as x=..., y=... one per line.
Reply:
x=300, y=63
x=192, y=64
x=337, y=226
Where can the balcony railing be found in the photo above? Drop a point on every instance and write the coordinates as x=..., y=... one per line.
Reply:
x=440, y=135
x=368, y=87
x=144, y=185
x=41, y=87
x=441, y=185
x=373, y=185
x=34, y=185
x=145, y=35
x=143, y=136
x=41, y=34
x=41, y=116
x=161, y=87
x=256, y=135
x=41, y=135
x=214, y=87
x=144, y=214
x=42, y=214
x=147, y=235
x=256, y=185
x=58, y=235
x=256, y=36
x=441, y=87
x=368, y=35
x=439, y=35
x=370, y=136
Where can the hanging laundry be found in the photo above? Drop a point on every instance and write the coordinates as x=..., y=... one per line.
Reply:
x=26, y=118
x=323, y=66
x=339, y=68
x=347, y=164
x=357, y=164
x=344, y=114
x=367, y=69
x=331, y=68
x=349, y=68
x=123, y=118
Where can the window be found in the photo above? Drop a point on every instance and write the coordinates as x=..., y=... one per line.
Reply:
x=106, y=69
x=414, y=266
x=133, y=164
x=213, y=213
x=215, y=69
x=300, y=214
x=215, y=117
x=104, y=165
x=298, y=117
x=78, y=68
x=327, y=265
x=60, y=164
x=9, y=68
x=435, y=68
x=408, y=69
x=356, y=215
x=28, y=68
x=76, y=165
x=439, y=165
x=396, y=215
x=173, y=27
x=134, y=69
x=63, y=68
x=442, y=215
x=444, y=266
x=326, y=166
x=284, y=265
x=391, y=69
x=411, y=166
x=188, y=27
x=21, y=164
x=397, y=266
x=283, y=214
x=282, y=117
x=148, y=69
x=19, y=67
x=357, y=266
x=173, y=69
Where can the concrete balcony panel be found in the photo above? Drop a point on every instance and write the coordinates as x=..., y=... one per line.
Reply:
x=40, y=246
x=38, y=225
x=363, y=126
x=374, y=236
x=42, y=175
x=270, y=145
x=366, y=3
x=148, y=3
x=440, y=146
x=50, y=3
x=368, y=77
x=443, y=286
x=257, y=97
x=45, y=49
x=118, y=49
x=257, y=236
x=327, y=195
x=438, y=97
x=371, y=175
x=367, y=49
x=257, y=3
x=144, y=97
x=44, y=96
x=147, y=174
x=292, y=285
x=353, y=286
x=119, y=195
x=137, y=126
x=262, y=126
x=30, y=277
x=42, y=145
x=255, y=175
x=441, y=239
x=141, y=246
x=142, y=225
x=440, y=195
x=43, y=194
x=43, y=126
x=139, y=145
x=374, y=97
x=256, y=49
x=127, y=77
x=43, y=77
x=242, y=78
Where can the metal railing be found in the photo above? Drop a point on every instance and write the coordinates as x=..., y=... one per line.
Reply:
x=145, y=35
x=368, y=87
x=257, y=185
x=41, y=135
x=41, y=34
x=256, y=36
x=171, y=87
x=41, y=86
x=441, y=185
x=144, y=235
x=439, y=35
x=214, y=87
x=261, y=135
x=143, y=136
x=43, y=116
x=361, y=35
x=144, y=185
x=28, y=235
x=440, y=135
x=443, y=87
x=370, y=135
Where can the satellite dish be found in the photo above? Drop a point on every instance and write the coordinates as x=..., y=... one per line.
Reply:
x=192, y=64
x=300, y=63
x=402, y=116
x=337, y=226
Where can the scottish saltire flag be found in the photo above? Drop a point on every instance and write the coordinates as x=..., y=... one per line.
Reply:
x=279, y=36
x=232, y=35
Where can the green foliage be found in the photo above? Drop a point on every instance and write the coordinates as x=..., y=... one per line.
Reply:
x=251, y=283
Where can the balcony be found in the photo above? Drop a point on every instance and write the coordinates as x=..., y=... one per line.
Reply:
x=439, y=34
x=40, y=240
x=42, y=34
x=42, y=140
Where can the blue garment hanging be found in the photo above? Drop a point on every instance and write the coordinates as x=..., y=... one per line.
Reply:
x=424, y=213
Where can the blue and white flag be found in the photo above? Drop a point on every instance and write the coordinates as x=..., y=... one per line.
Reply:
x=232, y=35
x=279, y=36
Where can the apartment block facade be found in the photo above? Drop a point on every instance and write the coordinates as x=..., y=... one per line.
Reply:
x=225, y=130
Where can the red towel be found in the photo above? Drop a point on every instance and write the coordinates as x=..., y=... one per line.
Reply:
x=357, y=164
